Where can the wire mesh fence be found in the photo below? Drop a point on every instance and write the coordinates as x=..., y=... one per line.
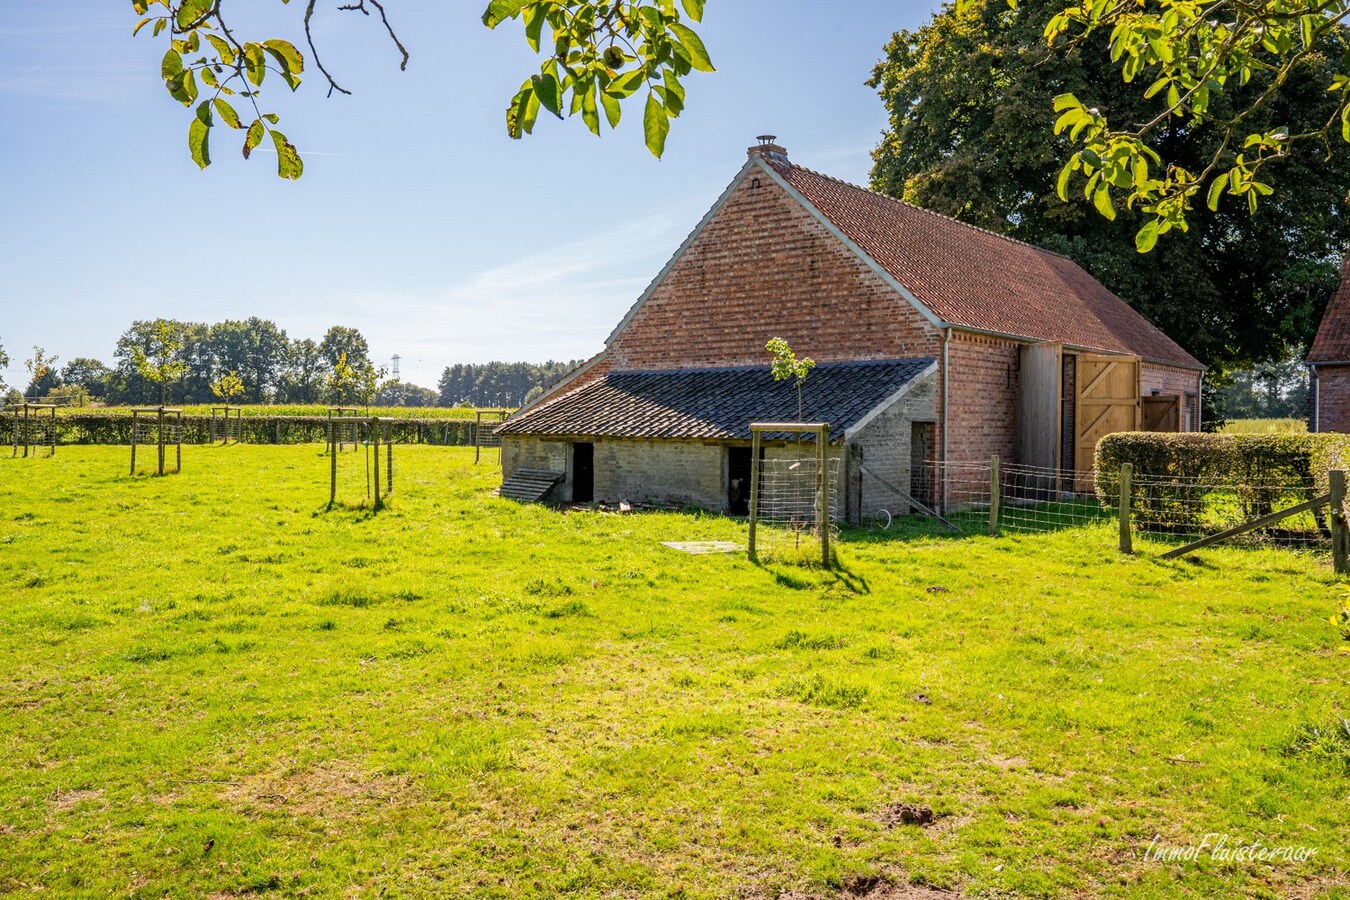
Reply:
x=971, y=497
x=1181, y=509
x=793, y=514
x=974, y=497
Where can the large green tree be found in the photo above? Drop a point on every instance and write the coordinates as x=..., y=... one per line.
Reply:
x=255, y=350
x=968, y=96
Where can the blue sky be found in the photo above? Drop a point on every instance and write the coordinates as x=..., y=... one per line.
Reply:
x=417, y=220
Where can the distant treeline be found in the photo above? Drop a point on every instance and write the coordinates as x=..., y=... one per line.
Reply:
x=498, y=383
x=273, y=368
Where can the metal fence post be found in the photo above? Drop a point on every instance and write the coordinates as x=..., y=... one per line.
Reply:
x=1126, y=537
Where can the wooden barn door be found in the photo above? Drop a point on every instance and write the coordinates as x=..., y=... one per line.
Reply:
x=1108, y=401
x=1038, y=420
x=1162, y=413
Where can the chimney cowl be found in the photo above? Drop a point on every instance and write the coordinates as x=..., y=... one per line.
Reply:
x=768, y=147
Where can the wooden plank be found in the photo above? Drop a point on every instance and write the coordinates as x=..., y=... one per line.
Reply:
x=1249, y=526
x=1038, y=399
x=1340, y=535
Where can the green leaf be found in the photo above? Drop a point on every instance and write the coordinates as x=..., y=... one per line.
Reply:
x=183, y=87
x=171, y=66
x=613, y=109
x=499, y=11
x=547, y=89
x=655, y=126
x=289, y=164
x=589, y=114
x=1066, y=101
x=288, y=60
x=1147, y=237
x=693, y=8
x=254, y=137
x=1062, y=185
x=227, y=114
x=534, y=26
x=626, y=84
x=198, y=131
x=190, y=11
x=1215, y=189
x=139, y=25
x=698, y=54
x=223, y=48
x=1101, y=198
x=255, y=63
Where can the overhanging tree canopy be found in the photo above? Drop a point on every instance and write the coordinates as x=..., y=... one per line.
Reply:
x=968, y=94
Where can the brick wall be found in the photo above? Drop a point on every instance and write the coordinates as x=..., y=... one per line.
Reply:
x=1171, y=380
x=1333, y=398
x=982, y=393
x=764, y=267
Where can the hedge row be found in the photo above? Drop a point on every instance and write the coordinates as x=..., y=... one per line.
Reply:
x=1176, y=474
x=115, y=428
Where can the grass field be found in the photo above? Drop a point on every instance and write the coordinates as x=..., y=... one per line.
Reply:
x=1266, y=426
x=214, y=687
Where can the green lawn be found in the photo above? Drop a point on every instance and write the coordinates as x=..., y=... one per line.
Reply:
x=210, y=686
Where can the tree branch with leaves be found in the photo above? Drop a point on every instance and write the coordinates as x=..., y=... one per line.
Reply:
x=595, y=55
x=1195, y=55
x=787, y=367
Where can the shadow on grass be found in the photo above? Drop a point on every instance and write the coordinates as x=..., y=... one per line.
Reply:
x=810, y=576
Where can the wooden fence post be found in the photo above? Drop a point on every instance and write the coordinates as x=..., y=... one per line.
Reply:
x=332, y=464
x=1340, y=535
x=754, y=490
x=995, y=496
x=823, y=476
x=1126, y=538
x=375, y=439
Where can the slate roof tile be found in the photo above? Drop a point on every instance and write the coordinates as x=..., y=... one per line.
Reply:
x=715, y=404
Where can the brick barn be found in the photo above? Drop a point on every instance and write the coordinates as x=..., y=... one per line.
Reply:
x=935, y=341
x=1329, y=363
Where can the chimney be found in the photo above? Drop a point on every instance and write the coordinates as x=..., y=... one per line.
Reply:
x=769, y=149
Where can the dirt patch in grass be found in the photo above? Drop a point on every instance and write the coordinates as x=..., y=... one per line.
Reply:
x=64, y=800
x=896, y=814
x=333, y=789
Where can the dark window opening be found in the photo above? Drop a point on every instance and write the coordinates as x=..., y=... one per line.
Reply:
x=583, y=473
x=738, y=481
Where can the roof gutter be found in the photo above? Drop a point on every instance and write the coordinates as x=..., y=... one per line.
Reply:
x=1076, y=348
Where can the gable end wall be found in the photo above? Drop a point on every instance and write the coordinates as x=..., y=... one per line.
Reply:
x=763, y=267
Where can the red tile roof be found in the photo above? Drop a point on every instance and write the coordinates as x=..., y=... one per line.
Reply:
x=1332, y=343
x=973, y=278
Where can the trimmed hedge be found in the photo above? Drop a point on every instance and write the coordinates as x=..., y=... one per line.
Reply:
x=1177, y=473
x=115, y=428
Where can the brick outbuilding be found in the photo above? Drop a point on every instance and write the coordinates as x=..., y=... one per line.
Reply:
x=1009, y=350
x=1329, y=363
